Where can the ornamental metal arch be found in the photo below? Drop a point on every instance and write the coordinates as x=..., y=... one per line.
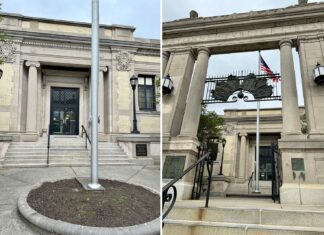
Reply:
x=228, y=89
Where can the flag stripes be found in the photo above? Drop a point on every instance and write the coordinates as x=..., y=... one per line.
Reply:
x=266, y=69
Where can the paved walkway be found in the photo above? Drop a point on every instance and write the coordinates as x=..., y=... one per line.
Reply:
x=14, y=181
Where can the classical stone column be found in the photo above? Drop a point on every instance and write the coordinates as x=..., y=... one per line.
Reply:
x=242, y=155
x=165, y=60
x=193, y=107
x=31, y=122
x=290, y=110
x=101, y=99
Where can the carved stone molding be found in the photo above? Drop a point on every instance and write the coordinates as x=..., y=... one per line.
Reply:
x=229, y=129
x=285, y=42
x=7, y=52
x=103, y=69
x=30, y=63
x=124, y=60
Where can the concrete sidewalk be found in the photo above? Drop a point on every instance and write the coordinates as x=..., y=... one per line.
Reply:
x=15, y=180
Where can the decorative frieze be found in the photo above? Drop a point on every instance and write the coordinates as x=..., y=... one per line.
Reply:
x=7, y=52
x=124, y=60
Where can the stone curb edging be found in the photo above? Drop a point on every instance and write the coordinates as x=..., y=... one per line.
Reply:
x=65, y=228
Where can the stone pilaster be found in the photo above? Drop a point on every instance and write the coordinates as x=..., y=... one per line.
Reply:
x=290, y=111
x=31, y=122
x=180, y=69
x=101, y=99
x=192, y=113
x=242, y=155
x=165, y=60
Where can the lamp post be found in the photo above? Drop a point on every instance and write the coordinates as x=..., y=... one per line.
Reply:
x=221, y=165
x=133, y=81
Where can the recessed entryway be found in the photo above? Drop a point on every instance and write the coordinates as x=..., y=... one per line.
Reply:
x=64, y=118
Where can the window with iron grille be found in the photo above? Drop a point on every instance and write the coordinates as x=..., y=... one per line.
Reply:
x=146, y=93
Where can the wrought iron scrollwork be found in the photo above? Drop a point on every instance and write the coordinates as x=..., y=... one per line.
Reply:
x=167, y=197
x=230, y=88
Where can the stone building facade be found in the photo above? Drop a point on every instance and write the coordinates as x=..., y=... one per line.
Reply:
x=46, y=81
x=188, y=44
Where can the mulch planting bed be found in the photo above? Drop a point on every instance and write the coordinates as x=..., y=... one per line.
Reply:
x=120, y=205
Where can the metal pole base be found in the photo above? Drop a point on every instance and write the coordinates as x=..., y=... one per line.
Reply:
x=94, y=186
x=135, y=132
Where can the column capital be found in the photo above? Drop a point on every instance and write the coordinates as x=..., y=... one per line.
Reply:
x=243, y=134
x=203, y=50
x=285, y=42
x=30, y=63
x=103, y=68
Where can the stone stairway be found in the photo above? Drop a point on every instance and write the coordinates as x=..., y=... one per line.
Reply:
x=64, y=151
x=235, y=218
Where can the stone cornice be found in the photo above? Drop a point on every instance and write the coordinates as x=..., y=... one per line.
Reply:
x=81, y=42
x=64, y=22
x=239, y=22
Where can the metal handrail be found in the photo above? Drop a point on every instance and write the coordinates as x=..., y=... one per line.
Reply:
x=277, y=173
x=84, y=131
x=166, y=197
x=48, y=143
x=250, y=180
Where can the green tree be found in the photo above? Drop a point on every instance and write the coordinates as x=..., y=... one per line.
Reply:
x=210, y=124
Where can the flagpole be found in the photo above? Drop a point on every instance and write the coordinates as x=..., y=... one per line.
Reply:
x=257, y=189
x=94, y=184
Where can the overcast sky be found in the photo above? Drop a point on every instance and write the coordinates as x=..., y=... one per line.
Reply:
x=143, y=14
x=226, y=64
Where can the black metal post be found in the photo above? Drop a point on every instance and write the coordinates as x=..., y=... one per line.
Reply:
x=48, y=143
x=209, y=169
x=134, y=131
x=221, y=166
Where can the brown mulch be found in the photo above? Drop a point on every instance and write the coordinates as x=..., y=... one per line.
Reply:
x=120, y=205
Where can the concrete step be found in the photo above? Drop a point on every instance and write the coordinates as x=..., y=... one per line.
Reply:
x=62, y=152
x=66, y=158
x=249, y=220
x=179, y=227
x=282, y=217
x=74, y=164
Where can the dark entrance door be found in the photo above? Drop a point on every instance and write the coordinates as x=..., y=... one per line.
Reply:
x=64, y=111
x=266, y=163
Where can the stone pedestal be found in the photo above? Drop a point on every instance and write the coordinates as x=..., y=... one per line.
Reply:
x=188, y=149
x=219, y=185
x=303, y=171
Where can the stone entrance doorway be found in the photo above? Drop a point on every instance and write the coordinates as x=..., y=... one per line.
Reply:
x=64, y=116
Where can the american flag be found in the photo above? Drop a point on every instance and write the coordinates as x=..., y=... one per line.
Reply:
x=265, y=68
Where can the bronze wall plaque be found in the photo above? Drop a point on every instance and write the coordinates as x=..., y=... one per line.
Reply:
x=141, y=150
x=297, y=164
x=173, y=166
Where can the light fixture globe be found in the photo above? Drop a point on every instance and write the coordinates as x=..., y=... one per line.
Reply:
x=318, y=74
x=133, y=81
x=167, y=85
